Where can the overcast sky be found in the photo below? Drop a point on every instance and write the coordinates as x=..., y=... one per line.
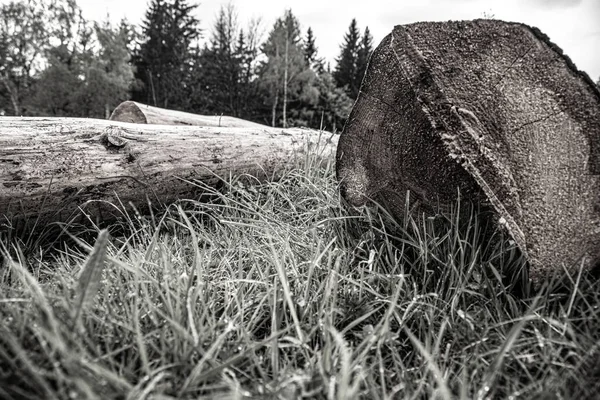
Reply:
x=572, y=24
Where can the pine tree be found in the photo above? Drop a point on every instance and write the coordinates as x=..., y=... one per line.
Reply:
x=165, y=55
x=364, y=53
x=346, y=69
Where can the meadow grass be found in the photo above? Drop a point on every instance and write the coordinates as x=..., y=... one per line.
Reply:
x=276, y=290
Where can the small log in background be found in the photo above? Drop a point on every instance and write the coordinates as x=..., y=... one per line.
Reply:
x=493, y=109
x=51, y=168
x=138, y=113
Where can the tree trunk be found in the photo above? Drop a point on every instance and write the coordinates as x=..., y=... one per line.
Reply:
x=51, y=168
x=276, y=88
x=285, y=80
x=138, y=113
x=14, y=97
x=490, y=108
x=152, y=88
x=274, y=110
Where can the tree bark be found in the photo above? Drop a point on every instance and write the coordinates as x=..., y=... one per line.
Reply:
x=285, y=79
x=274, y=109
x=492, y=110
x=14, y=96
x=138, y=113
x=51, y=168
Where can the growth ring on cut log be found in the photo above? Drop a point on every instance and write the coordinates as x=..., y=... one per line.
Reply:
x=490, y=108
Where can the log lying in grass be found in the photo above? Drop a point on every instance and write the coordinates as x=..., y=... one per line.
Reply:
x=130, y=111
x=493, y=109
x=51, y=167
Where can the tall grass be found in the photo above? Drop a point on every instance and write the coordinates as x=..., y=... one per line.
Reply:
x=275, y=290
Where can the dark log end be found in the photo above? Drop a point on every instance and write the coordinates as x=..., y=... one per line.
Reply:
x=492, y=110
x=128, y=111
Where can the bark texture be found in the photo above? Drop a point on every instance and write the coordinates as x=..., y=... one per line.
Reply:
x=138, y=113
x=50, y=168
x=492, y=110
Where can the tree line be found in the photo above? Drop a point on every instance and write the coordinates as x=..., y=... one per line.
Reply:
x=54, y=62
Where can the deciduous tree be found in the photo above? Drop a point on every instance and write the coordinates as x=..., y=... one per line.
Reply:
x=23, y=40
x=284, y=74
x=57, y=85
x=88, y=70
x=334, y=104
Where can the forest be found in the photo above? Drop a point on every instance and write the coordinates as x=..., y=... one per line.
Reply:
x=55, y=62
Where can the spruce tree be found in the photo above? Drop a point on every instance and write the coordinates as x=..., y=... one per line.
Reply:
x=217, y=70
x=164, y=59
x=364, y=53
x=224, y=70
x=311, y=51
x=346, y=69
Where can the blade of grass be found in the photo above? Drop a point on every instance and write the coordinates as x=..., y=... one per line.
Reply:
x=438, y=376
x=89, y=279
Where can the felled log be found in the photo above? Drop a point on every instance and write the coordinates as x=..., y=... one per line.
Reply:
x=50, y=168
x=138, y=113
x=492, y=110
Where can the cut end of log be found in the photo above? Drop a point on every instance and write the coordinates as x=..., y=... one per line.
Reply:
x=128, y=111
x=493, y=111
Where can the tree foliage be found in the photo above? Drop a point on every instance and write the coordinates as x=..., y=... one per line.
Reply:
x=224, y=68
x=364, y=53
x=165, y=57
x=285, y=76
x=353, y=59
x=23, y=40
x=57, y=85
x=334, y=104
x=55, y=62
x=88, y=71
x=311, y=53
x=108, y=74
x=346, y=69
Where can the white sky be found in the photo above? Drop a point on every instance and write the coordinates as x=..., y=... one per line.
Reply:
x=574, y=25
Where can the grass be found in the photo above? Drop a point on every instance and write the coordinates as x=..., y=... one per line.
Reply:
x=275, y=290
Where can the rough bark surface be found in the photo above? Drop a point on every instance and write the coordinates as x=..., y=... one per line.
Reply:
x=490, y=108
x=52, y=167
x=138, y=113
